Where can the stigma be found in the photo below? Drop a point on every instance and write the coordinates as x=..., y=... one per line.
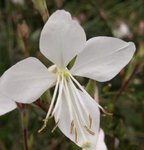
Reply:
x=86, y=145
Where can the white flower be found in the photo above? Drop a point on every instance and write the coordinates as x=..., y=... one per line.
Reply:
x=100, y=58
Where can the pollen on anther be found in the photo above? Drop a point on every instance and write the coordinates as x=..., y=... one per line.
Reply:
x=72, y=127
x=90, y=121
x=89, y=130
x=44, y=125
x=76, y=135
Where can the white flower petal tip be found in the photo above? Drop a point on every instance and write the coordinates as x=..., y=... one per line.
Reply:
x=62, y=38
x=100, y=142
x=26, y=81
x=103, y=58
x=6, y=105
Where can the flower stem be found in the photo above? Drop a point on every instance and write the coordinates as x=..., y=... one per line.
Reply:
x=24, y=121
x=41, y=6
x=25, y=136
x=127, y=82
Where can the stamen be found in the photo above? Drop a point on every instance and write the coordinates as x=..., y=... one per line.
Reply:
x=90, y=120
x=74, y=114
x=82, y=89
x=55, y=127
x=76, y=135
x=78, y=106
x=106, y=113
x=50, y=117
x=51, y=106
x=78, y=98
x=59, y=96
x=84, y=107
x=68, y=98
x=72, y=127
x=44, y=125
x=89, y=130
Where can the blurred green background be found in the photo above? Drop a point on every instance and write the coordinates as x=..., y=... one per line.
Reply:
x=20, y=24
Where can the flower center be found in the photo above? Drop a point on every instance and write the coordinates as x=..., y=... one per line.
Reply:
x=63, y=73
x=59, y=71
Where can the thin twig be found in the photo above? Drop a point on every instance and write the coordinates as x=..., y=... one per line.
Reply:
x=25, y=136
x=24, y=120
x=127, y=82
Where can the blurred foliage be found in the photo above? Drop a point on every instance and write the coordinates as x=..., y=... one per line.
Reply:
x=20, y=26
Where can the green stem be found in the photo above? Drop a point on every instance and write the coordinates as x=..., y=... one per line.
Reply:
x=41, y=6
x=24, y=121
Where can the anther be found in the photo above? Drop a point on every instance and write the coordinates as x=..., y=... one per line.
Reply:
x=51, y=116
x=106, y=113
x=55, y=126
x=71, y=127
x=44, y=125
x=76, y=135
x=90, y=121
x=89, y=130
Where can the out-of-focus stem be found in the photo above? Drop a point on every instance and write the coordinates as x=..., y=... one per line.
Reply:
x=127, y=82
x=38, y=103
x=24, y=121
x=41, y=6
x=25, y=134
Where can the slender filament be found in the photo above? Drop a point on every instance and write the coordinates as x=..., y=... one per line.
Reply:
x=51, y=105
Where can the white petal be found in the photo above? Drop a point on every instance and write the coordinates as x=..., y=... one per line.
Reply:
x=6, y=105
x=103, y=58
x=100, y=142
x=72, y=117
x=26, y=81
x=61, y=38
